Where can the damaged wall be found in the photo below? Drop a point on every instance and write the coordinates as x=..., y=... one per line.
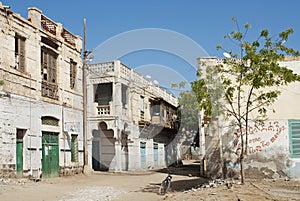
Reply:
x=268, y=152
x=25, y=96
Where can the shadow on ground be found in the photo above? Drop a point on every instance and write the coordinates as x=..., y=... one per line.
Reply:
x=182, y=184
x=185, y=169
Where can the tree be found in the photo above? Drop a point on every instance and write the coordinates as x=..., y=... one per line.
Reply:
x=249, y=80
x=187, y=107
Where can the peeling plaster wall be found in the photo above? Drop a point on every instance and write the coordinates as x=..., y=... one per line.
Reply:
x=268, y=150
x=269, y=154
x=23, y=113
x=21, y=103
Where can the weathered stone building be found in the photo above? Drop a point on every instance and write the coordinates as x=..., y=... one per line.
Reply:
x=131, y=121
x=41, y=96
x=273, y=145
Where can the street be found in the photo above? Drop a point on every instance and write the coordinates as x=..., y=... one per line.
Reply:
x=144, y=186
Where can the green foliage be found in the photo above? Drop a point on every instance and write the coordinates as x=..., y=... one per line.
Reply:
x=248, y=82
x=1, y=82
x=187, y=107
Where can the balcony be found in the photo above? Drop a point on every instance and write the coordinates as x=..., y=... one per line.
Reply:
x=48, y=25
x=68, y=37
x=108, y=70
x=49, y=90
x=103, y=110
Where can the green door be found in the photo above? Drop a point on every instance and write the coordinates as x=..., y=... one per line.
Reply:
x=50, y=154
x=19, y=151
x=19, y=157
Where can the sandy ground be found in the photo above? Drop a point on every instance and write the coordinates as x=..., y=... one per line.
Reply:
x=144, y=186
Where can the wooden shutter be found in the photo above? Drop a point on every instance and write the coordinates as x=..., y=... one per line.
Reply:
x=294, y=133
x=22, y=55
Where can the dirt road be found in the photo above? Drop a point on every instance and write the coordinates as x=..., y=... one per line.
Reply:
x=143, y=186
x=99, y=186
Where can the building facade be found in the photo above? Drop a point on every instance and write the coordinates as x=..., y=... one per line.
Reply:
x=273, y=144
x=41, y=96
x=131, y=121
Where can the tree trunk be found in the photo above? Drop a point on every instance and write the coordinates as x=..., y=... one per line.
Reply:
x=242, y=172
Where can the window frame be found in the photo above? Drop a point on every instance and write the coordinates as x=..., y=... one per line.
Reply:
x=73, y=73
x=124, y=96
x=49, y=65
x=294, y=137
x=20, y=53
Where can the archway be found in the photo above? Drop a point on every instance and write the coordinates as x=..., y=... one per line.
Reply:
x=103, y=148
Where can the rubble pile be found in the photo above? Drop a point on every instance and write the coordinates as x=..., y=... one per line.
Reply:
x=214, y=184
x=6, y=181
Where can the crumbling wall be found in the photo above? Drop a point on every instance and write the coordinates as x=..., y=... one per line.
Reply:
x=268, y=150
x=7, y=148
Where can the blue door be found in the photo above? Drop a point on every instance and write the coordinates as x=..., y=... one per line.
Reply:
x=143, y=154
x=155, y=151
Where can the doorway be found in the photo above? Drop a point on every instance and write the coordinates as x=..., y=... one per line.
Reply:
x=50, y=154
x=103, y=148
x=143, y=154
x=19, y=151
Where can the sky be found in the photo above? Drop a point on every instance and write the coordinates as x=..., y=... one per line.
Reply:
x=163, y=38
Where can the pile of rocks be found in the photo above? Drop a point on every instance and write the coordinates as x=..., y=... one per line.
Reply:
x=213, y=184
x=7, y=181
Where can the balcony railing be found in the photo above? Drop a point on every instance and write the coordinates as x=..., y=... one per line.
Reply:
x=48, y=25
x=49, y=90
x=68, y=37
x=140, y=81
x=103, y=110
x=101, y=68
x=110, y=69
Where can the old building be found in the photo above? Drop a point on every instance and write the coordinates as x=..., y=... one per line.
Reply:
x=131, y=121
x=273, y=144
x=41, y=96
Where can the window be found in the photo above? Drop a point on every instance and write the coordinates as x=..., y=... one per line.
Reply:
x=124, y=95
x=294, y=133
x=50, y=121
x=20, y=134
x=19, y=53
x=73, y=71
x=142, y=108
x=48, y=72
x=142, y=103
x=103, y=93
x=48, y=65
x=163, y=114
x=156, y=110
x=74, y=148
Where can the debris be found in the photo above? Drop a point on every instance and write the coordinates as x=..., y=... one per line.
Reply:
x=7, y=181
x=218, y=182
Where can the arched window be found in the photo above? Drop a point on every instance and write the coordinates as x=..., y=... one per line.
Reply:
x=50, y=121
